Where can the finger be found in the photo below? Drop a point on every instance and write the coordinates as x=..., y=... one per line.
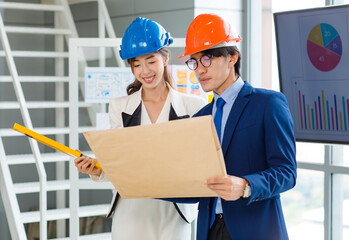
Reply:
x=229, y=196
x=220, y=188
x=223, y=191
x=82, y=161
x=227, y=183
x=91, y=167
x=218, y=180
x=94, y=162
x=78, y=160
x=222, y=194
x=79, y=165
x=86, y=164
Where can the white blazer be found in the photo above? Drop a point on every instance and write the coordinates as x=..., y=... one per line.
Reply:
x=130, y=108
x=182, y=104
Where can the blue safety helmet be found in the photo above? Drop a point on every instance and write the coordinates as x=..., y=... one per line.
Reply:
x=143, y=36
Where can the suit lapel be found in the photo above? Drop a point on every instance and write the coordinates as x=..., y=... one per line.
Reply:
x=235, y=114
x=177, y=105
x=173, y=115
x=134, y=119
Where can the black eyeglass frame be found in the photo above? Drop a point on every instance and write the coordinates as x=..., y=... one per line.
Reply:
x=210, y=56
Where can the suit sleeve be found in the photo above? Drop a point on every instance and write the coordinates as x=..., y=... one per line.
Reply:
x=280, y=152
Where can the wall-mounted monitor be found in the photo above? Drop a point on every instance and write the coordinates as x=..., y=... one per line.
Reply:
x=313, y=62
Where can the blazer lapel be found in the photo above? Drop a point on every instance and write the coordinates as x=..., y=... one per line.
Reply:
x=173, y=115
x=235, y=114
x=134, y=119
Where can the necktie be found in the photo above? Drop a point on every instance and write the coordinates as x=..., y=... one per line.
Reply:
x=218, y=123
x=218, y=117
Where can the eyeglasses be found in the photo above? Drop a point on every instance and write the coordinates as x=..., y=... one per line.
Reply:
x=204, y=59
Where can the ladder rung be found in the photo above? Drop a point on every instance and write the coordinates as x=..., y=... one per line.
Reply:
x=31, y=6
x=41, y=104
x=87, y=183
x=72, y=2
x=37, y=30
x=46, y=158
x=7, y=132
x=32, y=187
x=99, y=236
x=39, y=54
x=64, y=213
x=43, y=79
x=29, y=158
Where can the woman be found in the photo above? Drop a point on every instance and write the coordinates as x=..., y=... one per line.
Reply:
x=151, y=99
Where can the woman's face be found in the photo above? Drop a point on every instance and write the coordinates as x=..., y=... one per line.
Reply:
x=149, y=69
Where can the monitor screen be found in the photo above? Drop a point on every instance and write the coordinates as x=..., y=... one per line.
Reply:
x=313, y=63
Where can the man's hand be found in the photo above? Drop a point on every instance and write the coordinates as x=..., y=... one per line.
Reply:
x=230, y=188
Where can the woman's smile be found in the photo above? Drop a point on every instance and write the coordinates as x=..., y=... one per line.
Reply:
x=149, y=79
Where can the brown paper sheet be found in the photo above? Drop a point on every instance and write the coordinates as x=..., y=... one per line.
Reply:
x=171, y=159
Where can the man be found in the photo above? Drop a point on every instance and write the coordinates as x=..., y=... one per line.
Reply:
x=256, y=133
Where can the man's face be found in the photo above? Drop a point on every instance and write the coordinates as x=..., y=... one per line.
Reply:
x=218, y=76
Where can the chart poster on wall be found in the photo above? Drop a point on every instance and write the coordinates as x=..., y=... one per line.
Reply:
x=313, y=61
x=101, y=84
x=186, y=81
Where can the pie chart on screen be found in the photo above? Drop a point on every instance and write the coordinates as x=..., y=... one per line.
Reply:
x=324, y=47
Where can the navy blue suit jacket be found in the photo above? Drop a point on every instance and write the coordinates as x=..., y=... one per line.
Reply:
x=258, y=145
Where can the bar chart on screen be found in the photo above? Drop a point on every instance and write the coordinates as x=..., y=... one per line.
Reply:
x=321, y=108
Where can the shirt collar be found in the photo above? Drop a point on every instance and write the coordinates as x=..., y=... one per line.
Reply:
x=230, y=94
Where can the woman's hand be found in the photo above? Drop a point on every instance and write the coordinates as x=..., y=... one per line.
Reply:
x=85, y=165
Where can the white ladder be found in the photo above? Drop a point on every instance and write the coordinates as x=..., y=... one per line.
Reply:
x=64, y=28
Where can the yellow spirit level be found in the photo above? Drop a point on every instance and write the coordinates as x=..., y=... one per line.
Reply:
x=51, y=143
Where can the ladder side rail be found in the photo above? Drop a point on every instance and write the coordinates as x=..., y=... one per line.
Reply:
x=73, y=139
x=74, y=46
x=27, y=121
x=67, y=20
x=101, y=34
x=102, y=50
x=110, y=30
x=78, y=56
x=60, y=119
x=9, y=198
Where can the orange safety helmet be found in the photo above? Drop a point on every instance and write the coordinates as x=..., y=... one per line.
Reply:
x=208, y=30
